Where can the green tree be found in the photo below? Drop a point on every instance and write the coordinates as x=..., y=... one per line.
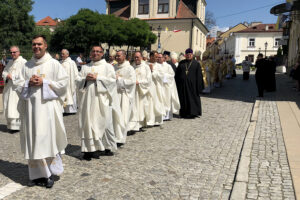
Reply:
x=210, y=20
x=17, y=26
x=138, y=33
x=78, y=32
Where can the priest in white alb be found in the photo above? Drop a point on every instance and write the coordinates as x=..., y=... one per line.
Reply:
x=10, y=95
x=42, y=83
x=126, y=82
x=156, y=110
x=142, y=93
x=70, y=101
x=170, y=98
x=99, y=106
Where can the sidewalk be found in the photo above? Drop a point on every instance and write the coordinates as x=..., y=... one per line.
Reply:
x=289, y=113
x=269, y=167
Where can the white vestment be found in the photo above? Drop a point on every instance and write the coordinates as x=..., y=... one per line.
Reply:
x=99, y=108
x=70, y=105
x=156, y=105
x=10, y=96
x=142, y=96
x=171, y=99
x=126, y=91
x=43, y=134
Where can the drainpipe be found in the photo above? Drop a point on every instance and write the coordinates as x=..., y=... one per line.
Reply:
x=191, y=39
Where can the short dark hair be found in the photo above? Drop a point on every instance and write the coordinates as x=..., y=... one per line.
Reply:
x=152, y=53
x=97, y=45
x=261, y=55
x=40, y=35
x=123, y=52
x=139, y=53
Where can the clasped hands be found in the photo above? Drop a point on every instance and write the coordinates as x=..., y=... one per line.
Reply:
x=36, y=80
x=91, y=77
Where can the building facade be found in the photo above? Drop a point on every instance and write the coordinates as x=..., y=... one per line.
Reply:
x=178, y=23
x=48, y=22
x=262, y=38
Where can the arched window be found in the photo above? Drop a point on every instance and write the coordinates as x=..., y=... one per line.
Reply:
x=143, y=7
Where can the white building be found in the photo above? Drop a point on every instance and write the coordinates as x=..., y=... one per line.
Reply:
x=261, y=38
x=181, y=21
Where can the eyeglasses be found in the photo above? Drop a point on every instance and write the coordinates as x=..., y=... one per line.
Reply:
x=14, y=52
x=95, y=51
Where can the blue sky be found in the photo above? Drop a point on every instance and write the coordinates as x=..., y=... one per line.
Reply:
x=260, y=10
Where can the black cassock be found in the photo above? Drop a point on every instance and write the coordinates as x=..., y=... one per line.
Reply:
x=189, y=82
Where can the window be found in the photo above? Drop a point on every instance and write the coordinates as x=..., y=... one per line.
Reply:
x=251, y=42
x=251, y=58
x=163, y=6
x=277, y=42
x=143, y=7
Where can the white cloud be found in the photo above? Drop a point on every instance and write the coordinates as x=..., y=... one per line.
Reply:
x=215, y=29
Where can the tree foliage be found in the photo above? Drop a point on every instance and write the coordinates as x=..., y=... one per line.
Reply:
x=16, y=25
x=79, y=32
x=210, y=20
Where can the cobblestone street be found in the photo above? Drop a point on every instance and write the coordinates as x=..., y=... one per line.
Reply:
x=183, y=159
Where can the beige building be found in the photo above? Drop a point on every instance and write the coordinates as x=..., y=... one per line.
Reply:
x=179, y=24
x=294, y=38
x=262, y=38
x=289, y=18
x=216, y=47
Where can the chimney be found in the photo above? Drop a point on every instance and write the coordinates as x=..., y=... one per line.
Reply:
x=267, y=27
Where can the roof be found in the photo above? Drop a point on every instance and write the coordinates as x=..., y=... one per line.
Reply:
x=210, y=40
x=260, y=28
x=123, y=13
x=47, y=21
x=184, y=12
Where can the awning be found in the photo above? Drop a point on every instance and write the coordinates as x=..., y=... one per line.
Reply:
x=281, y=8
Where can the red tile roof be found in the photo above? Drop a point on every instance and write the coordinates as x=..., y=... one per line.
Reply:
x=210, y=40
x=123, y=13
x=47, y=21
x=184, y=12
x=260, y=28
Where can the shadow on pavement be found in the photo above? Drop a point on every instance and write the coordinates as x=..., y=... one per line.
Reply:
x=3, y=128
x=237, y=89
x=17, y=172
x=73, y=151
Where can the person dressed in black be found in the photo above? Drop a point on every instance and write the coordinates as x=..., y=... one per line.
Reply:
x=260, y=66
x=189, y=82
x=270, y=75
x=168, y=59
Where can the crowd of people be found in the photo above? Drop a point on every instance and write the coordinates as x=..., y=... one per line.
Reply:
x=113, y=100
x=113, y=97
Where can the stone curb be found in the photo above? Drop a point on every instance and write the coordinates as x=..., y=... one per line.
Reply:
x=239, y=190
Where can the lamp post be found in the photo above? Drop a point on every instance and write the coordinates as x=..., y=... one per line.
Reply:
x=259, y=50
x=266, y=45
x=225, y=39
x=158, y=35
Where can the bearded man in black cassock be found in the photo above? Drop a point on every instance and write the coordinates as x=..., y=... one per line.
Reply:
x=189, y=84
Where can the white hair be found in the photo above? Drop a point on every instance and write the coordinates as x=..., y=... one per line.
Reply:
x=66, y=50
x=174, y=55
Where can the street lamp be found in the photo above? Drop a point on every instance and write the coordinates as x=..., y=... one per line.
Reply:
x=259, y=50
x=266, y=45
x=158, y=35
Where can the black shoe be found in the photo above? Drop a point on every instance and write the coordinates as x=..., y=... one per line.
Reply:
x=87, y=156
x=31, y=183
x=108, y=152
x=49, y=183
x=95, y=155
x=120, y=144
